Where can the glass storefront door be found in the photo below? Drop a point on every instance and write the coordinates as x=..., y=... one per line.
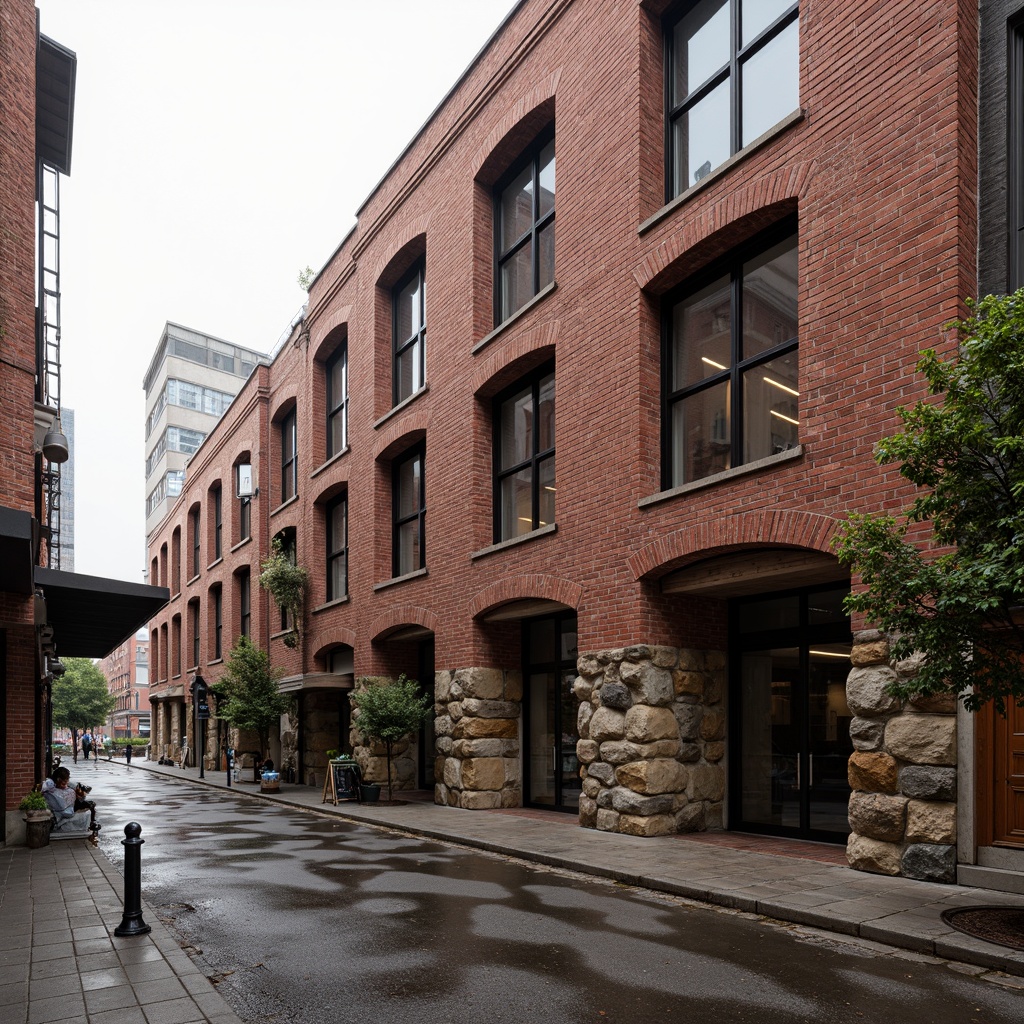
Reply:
x=551, y=769
x=791, y=660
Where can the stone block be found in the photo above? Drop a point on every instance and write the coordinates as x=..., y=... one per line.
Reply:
x=652, y=777
x=690, y=660
x=616, y=695
x=587, y=751
x=453, y=773
x=931, y=821
x=922, y=739
x=625, y=801
x=649, y=684
x=582, y=688
x=443, y=725
x=647, y=725
x=455, y=711
x=878, y=816
x=689, y=752
x=480, y=708
x=867, y=693
x=871, y=855
x=873, y=653
x=619, y=752
x=604, y=798
x=607, y=724
x=588, y=813
x=479, y=800
x=691, y=818
x=714, y=752
x=934, y=704
x=929, y=863
x=513, y=684
x=477, y=748
x=712, y=725
x=653, y=825
x=583, y=716
x=867, y=733
x=483, y=773
x=926, y=782
x=688, y=683
x=511, y=796
x=589, y=667
x=479, y=728
x=482, y=683
x=442, y=685
x=872, y=772
x=591, y=787
x=707, y=782
x=607, y=820
x=688, y=718
x=604, y=773
x=664, y=657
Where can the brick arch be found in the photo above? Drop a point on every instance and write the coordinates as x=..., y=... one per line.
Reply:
x=734, y=218
x=323, y=328
x=402, y=615
x=519, y=588
x=411, y=231
x=491, y=150
x=339, y=637
x=784, y=527
x=504, y=365
x=406, y=430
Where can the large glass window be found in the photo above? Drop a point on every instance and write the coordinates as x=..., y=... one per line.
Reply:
x=409, y=332
x=218, y=523
x=733, y=72
x=196, y=549
x=409, y=513
x=337, y=548
x=289, y=457
x=195, y=633
x=524, y=456
x=731, y=392
x=525, y=228
x=337, y=401
x=218, y=622
x=244, y=602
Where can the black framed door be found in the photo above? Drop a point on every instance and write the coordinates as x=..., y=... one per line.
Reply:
x=551, y=770
x=791, y=724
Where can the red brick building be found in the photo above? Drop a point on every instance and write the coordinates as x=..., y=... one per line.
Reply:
x=570, y=447
x=126, y=669
x=44, y=611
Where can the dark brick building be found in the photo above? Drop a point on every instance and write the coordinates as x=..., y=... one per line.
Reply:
x=572, y=413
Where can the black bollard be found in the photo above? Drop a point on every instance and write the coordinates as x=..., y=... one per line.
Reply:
x=131, y=922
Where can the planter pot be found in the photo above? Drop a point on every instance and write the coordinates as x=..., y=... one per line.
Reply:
x=369, y=792
x=37, y=829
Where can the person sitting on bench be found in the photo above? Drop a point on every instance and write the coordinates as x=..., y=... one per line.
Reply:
x=72, y=810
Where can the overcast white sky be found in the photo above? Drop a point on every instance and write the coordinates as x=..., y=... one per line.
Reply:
x=220, y=146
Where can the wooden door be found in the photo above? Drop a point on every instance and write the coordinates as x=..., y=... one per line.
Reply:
x=1009, y=793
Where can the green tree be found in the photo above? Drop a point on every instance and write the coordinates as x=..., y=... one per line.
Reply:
x=248, y=697
x=389, y=711
x=80, y=698
x=945, y=578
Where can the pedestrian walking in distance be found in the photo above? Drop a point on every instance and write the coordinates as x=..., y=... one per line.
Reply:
x=128, y=755
x=86, y=744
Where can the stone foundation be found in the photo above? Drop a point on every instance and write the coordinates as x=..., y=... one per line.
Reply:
x=476, y=724
x=902, y=771
x=652, y=740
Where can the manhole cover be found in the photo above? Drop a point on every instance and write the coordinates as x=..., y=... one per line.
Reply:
x=1001, y=925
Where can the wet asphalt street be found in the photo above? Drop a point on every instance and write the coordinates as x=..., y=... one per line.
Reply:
x=303, y=917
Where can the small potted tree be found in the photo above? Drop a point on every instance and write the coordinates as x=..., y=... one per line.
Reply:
x=386, y=712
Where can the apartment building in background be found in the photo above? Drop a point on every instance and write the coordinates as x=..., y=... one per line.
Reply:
x=572, y=416
x=191, y=380
x=126, y=669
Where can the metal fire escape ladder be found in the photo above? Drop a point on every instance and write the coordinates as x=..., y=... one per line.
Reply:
x=49, y=302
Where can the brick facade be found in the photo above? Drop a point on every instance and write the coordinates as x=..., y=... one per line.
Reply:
x=878, y=167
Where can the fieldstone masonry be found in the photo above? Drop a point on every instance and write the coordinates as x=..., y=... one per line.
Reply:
x=902, y=771
x=652, y=740
x=476, y=726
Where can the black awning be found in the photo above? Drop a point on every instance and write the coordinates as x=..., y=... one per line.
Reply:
x=15, y=551
x=91, y=615
x=56, y=68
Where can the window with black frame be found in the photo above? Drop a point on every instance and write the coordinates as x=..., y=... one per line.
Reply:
x=733, y=72
x=244, y=511
x=244, y=602
x=336, y=515
x=218, y=622
x=336, y=372
x=194, y=526
x=524, y=221
x=194, y=607
x=731, y=362
x=408, y=495
x=1015, y=154
x=409, y=333
x=524, y=456
x=218, y=523
x=289, y=457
